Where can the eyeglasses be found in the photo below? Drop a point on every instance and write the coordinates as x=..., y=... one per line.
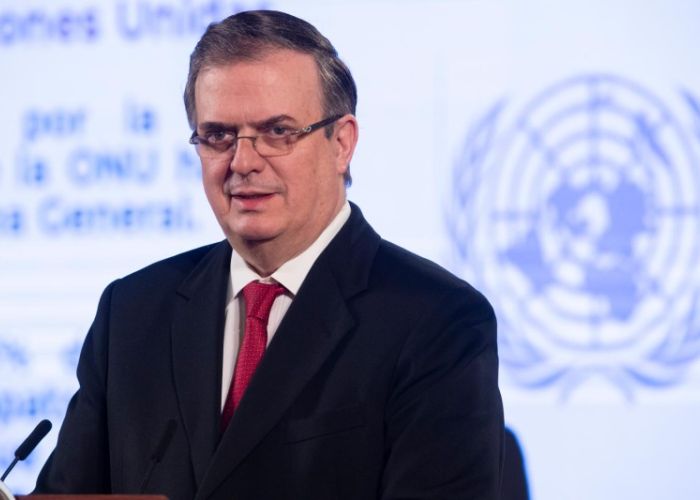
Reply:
x=275, y=140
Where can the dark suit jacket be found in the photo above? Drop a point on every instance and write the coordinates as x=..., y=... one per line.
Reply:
x=381, y=382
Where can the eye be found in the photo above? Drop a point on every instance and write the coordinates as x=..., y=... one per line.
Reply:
x=218, y=137
x=278, y=131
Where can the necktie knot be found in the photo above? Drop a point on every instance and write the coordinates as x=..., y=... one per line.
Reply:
x=259, y=298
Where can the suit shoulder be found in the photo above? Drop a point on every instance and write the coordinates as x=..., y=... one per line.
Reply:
x=408, y=273
x=395, y=262
x=174, y=269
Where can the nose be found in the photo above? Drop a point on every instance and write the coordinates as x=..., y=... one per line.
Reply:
x=246, y=158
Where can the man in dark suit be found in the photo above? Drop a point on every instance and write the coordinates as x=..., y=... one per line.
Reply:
x=379, y=373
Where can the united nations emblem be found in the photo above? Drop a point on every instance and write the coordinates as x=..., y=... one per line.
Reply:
x=580, y=219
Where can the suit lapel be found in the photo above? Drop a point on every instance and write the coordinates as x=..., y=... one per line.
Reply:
x=315, y=323
x=197, y=332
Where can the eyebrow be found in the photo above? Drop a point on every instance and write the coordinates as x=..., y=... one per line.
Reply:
x=262, y=124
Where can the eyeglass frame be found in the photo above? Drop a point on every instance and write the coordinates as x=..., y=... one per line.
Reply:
x=298, y=134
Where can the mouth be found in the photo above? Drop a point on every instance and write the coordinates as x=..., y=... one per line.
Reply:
x=251, y=196
x=251, y=200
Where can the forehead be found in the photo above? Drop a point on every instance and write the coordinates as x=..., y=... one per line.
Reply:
x=278, y=82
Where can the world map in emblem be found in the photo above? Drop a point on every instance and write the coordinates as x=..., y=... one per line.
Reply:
x=579, y=217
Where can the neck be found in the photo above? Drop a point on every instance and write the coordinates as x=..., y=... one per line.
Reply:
x=262, y=256
x=266, y=256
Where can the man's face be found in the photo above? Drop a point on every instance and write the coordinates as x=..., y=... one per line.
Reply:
x=281, y=202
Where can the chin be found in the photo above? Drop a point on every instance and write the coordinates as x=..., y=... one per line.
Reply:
x=251, y=232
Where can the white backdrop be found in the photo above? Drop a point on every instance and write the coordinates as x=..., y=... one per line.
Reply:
x=546, y=151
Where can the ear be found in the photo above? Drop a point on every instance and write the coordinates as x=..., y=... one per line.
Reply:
x=345, y=137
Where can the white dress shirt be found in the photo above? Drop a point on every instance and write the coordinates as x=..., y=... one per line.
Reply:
x=291, y=275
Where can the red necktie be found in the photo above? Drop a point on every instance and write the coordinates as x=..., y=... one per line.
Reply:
x=258, y=302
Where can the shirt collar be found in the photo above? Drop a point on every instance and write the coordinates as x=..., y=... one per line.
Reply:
x=292, y=273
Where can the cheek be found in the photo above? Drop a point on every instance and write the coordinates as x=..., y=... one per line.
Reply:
x=213, y=178
x=301, y=192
